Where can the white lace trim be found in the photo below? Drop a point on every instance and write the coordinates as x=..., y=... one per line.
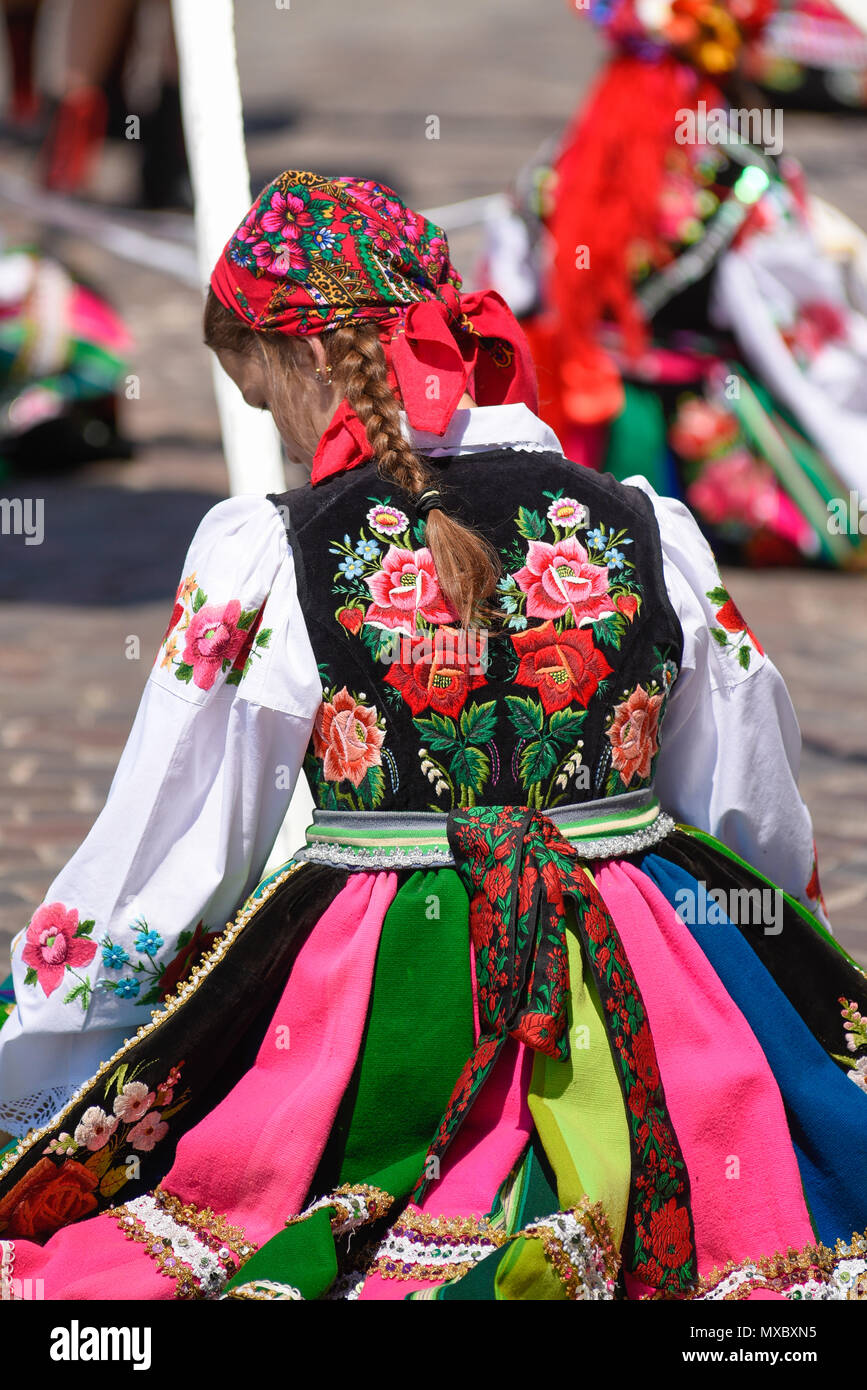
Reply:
x=406, y=1250
x=7, y=1263
x=18, y=1117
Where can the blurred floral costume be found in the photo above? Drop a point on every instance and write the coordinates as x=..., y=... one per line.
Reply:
x=63, y=356
x=691, y=311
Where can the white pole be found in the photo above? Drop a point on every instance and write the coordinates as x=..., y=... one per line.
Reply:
x=214, y=132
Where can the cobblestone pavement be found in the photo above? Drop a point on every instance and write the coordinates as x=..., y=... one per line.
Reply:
x=343, y=86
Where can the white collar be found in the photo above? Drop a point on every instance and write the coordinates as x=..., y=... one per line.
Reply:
x=482, y=428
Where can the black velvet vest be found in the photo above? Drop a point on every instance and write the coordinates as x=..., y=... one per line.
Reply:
x=563, y=704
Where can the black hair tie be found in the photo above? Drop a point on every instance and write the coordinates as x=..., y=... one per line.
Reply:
x=428, y=500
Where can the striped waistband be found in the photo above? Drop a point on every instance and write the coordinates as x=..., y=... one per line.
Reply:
x=603, y=829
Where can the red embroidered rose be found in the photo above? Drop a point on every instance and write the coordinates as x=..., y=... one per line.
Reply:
x=213, y=637
x=407, y=585
x=562, y=666
x=52, y=945
x=558, y=578
x=541, y=1032
x=670, y=1235
x=638, y=1100
x=346, y=736
x=441, y=682
x=47, y=1198
x=634, y=735
x=351, y=619
x=644, y=1054
x=481, y=922
x=731, y=618
x=650, y=1273
x=595, y=924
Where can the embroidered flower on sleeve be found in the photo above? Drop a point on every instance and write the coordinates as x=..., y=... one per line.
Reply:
x=57, y=941
x=204, y=640
x=733, y=633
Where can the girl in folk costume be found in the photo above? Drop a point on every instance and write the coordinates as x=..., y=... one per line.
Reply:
x=547, y=1007
x=686, y=300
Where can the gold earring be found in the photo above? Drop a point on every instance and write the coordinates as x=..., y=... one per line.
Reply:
x=319, y=377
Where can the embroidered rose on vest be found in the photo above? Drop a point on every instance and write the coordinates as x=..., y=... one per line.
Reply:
x=558, y=579
x=47, y=1198
x=347, y=737
x=437, y=674
x=406, y=586
x=634, y=735
x=562, y=666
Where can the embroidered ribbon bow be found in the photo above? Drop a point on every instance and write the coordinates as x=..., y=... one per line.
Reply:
x=518, y=870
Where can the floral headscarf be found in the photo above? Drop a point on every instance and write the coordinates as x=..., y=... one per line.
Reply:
x=315, y=252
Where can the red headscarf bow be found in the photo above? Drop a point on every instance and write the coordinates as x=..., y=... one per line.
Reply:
x=314, y=252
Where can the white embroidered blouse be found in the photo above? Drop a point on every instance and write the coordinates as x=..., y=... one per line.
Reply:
x=206, y=776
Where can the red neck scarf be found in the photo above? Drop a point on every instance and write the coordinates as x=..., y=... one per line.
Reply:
x=313, y=253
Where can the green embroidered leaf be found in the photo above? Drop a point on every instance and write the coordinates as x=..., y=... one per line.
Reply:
x=566, y=724
x=527, y=715
x=718, y=597
x=538, y=760
x=85, y=928
x=719, y=636
x=234, y=677
x=610, y=629
x=439, y=731
x=418, y=532
x=471, y=767
x=199, y=600
x=81, y=992
x=530, y=525
x=152, y=996
x=477, y=724
x=613, y=783
x=744, y=656
x=184, y=672
x=264, y=637
x=31, y=977
x=246, y=618
x=372, y=789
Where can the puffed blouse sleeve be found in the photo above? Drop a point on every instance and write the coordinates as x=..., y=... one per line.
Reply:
x=730, y=745
x=195, y=805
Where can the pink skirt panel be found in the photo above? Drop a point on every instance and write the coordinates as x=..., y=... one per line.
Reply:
x=725, y=1105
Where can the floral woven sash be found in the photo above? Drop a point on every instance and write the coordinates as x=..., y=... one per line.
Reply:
x=518, y=871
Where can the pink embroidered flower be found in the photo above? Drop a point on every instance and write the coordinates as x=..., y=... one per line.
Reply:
x=94, y=1129
x=213, y=637
x=388, y=521
x=567, y=512
x=51, y=944
x=858, y=1074
x=558, y=577
x=134, y=1101
x=347, y=737
x=287, y=215
x=634, y=735
x=407, y=585
x=148, y=1132
x=290, y=257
